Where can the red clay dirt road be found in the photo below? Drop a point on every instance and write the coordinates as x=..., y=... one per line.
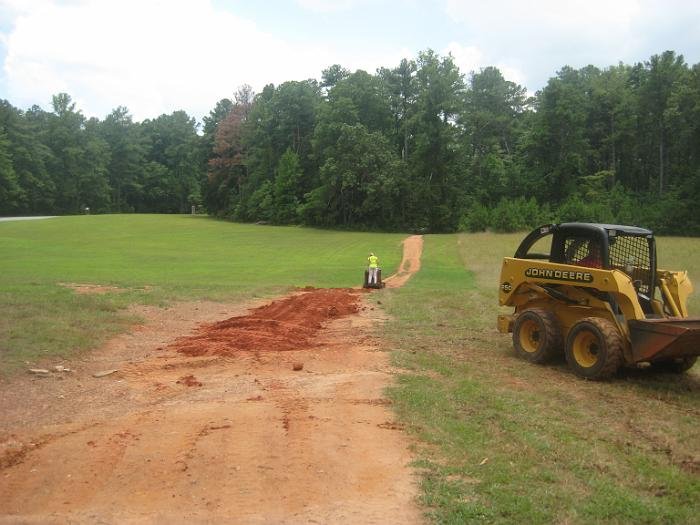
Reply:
x=207, y=420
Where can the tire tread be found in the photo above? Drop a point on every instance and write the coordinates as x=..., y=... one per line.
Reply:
x=614, y=346
x=553, y=337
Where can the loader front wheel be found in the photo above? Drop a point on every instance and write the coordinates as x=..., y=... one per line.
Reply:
x=594, y=348
x=536, y=335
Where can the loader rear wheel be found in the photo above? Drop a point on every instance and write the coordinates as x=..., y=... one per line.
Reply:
x=594, y=348
x=536, y=335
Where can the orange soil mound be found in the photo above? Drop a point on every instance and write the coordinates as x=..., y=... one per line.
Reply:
x=287, y=324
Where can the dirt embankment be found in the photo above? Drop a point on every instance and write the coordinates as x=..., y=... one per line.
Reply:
x=215, y=415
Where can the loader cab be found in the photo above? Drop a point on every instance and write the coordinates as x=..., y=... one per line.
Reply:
x=581, y=244
x=629, y=249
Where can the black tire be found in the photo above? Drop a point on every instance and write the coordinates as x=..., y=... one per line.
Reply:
x=675, y=366
x=594, y=348
x=536, y=335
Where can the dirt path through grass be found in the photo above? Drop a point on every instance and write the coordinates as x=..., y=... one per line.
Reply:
x=410, y=264
x=275, y=415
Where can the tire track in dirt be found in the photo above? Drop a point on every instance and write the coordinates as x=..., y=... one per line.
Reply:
x=217, y=426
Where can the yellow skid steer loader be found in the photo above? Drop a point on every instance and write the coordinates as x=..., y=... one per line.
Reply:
x=593, y=291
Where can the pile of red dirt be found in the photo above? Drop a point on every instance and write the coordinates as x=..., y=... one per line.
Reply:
x=287, y=324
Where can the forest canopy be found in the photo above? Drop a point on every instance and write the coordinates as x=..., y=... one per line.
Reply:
x=417, y=147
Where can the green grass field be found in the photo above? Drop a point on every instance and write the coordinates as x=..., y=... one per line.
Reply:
x=155, y=258
x=497, y=440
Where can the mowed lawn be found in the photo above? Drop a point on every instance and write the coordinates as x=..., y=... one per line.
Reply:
x=498, y=440
x=154, y=259
x=504, y=441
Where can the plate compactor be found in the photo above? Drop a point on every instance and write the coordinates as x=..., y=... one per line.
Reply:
x=593, y=292
x=378, y=284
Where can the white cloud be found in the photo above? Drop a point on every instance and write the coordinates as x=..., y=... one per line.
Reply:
x=153, y=56
x=467, y=58
x=388, y=58
x=156, y=56
x=535, y=39
x=542, y=36
x=329, y=6
x=471, y=59
x=512, y=73
x=546, y=16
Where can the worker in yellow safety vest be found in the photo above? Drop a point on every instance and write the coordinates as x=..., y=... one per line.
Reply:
x=373, y=261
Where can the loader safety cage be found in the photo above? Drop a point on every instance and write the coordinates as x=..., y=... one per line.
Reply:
x=626, y=248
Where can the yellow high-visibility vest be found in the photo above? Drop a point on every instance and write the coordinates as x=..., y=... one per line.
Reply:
x=373, y=261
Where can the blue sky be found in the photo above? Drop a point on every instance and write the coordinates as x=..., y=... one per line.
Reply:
x=158, y=56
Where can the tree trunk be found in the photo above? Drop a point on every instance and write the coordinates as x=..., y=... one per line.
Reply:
x=661, y=164
x=613, y=160
x=404, y=153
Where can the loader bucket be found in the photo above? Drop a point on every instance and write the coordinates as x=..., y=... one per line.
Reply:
x=664, y=339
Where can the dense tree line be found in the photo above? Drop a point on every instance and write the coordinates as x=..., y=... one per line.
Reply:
x=59, y=162
x=415, y=147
